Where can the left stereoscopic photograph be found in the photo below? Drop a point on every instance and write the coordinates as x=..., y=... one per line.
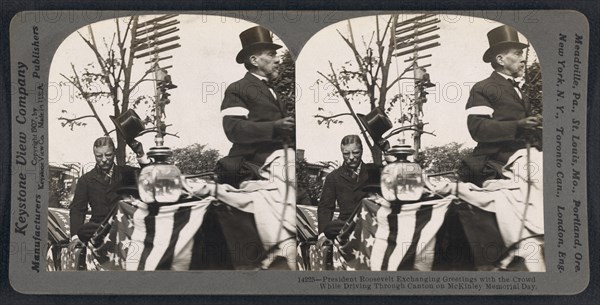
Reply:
x=169, y=140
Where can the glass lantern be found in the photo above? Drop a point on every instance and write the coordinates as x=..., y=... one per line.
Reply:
x=160, y=182
x=402, y=180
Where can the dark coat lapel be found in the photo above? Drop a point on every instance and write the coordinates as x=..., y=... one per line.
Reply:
x=99, y=177
x=346, y=174
x=363, y=176
x=266, y=92
x=508, y=88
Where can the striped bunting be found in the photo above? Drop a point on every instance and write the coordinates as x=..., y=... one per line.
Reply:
x=391, y=237
x=309, y=256
x=406, y=235
x=170, y=247
x=162, y=240
x=58, y=221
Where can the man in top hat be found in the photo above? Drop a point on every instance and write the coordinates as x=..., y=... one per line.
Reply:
x=345, y=185
x=498, y=111
x=254, y=119
x=98, y=188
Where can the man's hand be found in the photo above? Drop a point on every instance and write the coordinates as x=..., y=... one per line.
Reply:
x=323, y=241
x=137, y=148
x=286, y=124
x=528, y=122
x=75, y=243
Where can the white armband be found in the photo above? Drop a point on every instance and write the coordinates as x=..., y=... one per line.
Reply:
x=235, y=111
x=481, y=110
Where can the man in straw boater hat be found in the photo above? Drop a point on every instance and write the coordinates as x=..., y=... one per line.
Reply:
x=254, y=119
x=498, y=111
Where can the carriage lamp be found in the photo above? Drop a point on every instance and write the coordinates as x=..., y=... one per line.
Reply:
x=402, y=180
x=161, y=181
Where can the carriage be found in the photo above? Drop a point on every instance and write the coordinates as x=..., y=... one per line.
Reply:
x=452, y=226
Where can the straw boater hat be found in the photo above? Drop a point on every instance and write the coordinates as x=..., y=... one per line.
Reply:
x=255, y=38
x=501, y=38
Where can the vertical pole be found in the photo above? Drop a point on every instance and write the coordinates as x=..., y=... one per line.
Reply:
x=417, y=119
x=159, y=138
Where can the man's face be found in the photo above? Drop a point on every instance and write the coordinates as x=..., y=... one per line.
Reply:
x=513, y=62
x=267, y=63
x=105, y=157
x=352, y=154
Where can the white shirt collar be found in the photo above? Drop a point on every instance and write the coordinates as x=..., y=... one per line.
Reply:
x=266, y=81
x=357, y=171
x=260, y=77
x=519, y=80
x=110, y=172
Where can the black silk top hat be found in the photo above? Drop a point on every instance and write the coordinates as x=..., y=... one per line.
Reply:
x=128, y=124
x=253, y=39
x=376, y=122
x=501, y=38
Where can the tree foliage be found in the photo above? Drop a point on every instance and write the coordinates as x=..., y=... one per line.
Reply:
x=285, y=84
x=57, y=191
x=309, y=188
x=195, y=158
x=533, y=81
x=442, y=158
x=533, y=89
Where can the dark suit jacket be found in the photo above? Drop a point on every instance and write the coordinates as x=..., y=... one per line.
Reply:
x=339, y=186
x=93, y=189
x=497, y=135
x=253, y=136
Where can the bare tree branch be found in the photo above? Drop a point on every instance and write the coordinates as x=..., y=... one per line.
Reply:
x=408, y=128
x=98, y=93
x=334, y=81
x=361, y=67
x=379, y=46
x=120, y=44
x=399, y=77
x=71, y=120
x=385, y=64
x=103, y=64
x=77, y=83
x=350, y=92
x=374, y=73
x=143, y=79
x=354, y=73
x=114, y=74
x=332, y=116
x=129, y=66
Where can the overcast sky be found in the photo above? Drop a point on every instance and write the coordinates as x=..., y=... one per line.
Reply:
x=205, y=65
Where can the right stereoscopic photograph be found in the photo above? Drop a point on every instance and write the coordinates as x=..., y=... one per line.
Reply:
x=419, y=146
